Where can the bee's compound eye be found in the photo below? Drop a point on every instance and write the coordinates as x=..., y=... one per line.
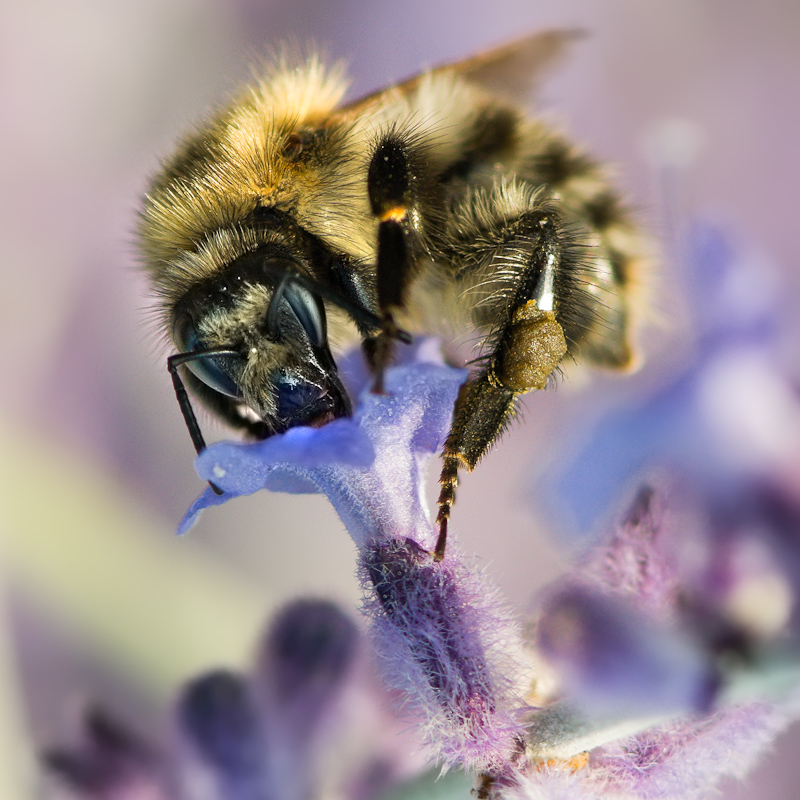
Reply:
x=309, y=311
x=215, y=372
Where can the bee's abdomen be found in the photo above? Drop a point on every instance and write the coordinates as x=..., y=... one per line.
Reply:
x=582, y=190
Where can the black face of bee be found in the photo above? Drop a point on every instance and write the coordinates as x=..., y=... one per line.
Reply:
x=268, y=360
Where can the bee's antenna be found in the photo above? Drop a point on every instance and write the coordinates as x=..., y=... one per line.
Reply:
x=173, y=362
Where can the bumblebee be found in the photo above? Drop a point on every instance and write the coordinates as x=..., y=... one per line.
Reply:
x=288, y=226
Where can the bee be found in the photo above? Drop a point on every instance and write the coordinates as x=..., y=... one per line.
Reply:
x=289, y=226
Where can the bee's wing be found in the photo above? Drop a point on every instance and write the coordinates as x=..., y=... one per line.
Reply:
x=515, y=69
x=512, y=70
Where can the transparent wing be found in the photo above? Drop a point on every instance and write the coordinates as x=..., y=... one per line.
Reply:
x=513, y=69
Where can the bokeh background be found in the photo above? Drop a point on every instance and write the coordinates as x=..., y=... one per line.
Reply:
x=695, y=101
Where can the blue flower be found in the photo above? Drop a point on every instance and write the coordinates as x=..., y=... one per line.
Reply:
x=370, y=466
x=446, y=640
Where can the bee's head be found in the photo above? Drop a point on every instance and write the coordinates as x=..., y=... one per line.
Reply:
x=269, y=367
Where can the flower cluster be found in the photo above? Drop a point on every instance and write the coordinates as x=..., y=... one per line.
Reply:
x=284, y=730
x=664, y=662
x=667, y=657
x=447, y=643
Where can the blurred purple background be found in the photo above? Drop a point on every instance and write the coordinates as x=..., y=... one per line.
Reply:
x=94, y=93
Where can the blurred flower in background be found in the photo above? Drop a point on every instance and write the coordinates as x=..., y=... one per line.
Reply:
x=308, y=721
x=730, y=410
x=101, y=599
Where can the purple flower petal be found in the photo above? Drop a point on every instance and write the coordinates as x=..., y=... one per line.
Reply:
x=371, y=467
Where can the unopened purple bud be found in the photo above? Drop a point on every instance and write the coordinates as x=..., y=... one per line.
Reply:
x=218, y=715
x=432, y=623
x=611, y=657
x=634, y=561
x=111, y=762
x=306, y=656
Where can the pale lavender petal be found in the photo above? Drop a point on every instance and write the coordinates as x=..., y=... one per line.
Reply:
x=207, y=499
x=374, y=498
x=285, y=462
x=282, y=463
x=358, y=377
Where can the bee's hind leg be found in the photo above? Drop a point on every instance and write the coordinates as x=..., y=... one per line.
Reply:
x=525, y=349
x=481, y=413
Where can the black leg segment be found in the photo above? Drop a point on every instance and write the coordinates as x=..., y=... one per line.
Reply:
x=391, y=184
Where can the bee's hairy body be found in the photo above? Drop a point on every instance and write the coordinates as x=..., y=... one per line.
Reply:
x=494, y=228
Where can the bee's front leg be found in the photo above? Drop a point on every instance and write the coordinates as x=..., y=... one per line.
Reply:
x=525, y=349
